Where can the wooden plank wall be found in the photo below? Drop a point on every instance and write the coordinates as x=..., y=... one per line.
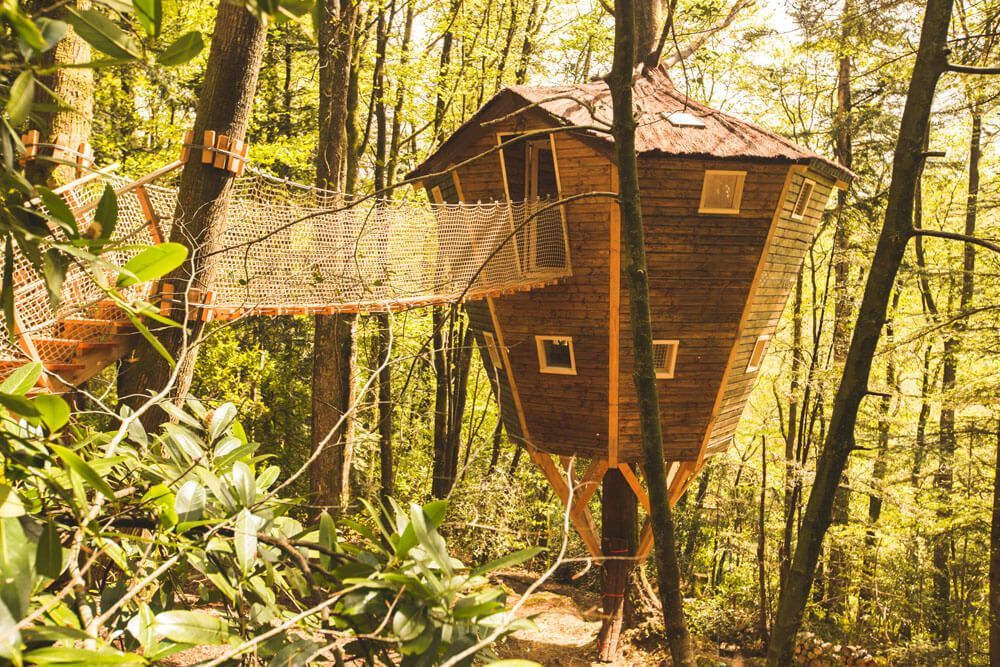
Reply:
x=565, y=414
x=701, y=268
x=791, y=242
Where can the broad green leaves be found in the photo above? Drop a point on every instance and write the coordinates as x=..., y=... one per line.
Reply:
x=152, y=263
x=182, y=50
x=190, y=627
x=101, y=33
x=20, y=97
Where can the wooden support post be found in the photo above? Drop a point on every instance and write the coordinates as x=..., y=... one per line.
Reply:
x=149, y=213
x=579, y=514
x=618, y=543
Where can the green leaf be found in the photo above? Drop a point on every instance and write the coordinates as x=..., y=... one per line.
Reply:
x=244, y=483
x=53, y=410
x=58, y=210
x=11, y=505
x=182, y=50
x=150, y=338
x=18, y=405
x=23, y=379
x=327, y=537
x=101, y=33
x=509, y=560
x=83, y=469
x=106, y=214
x=140, y=626
x=245, y=539
x=222, y=417
x=152, y=263
x=150, y=15
x=408, y=622
x=54, y=268
x=163, y=499
x=191, y=627
x=55, y=655
x=20, y=97
x=51, y=32
x=429, y=539
x=49, y=555
x=27, y=30
x=190, y=502
x=187, y=441
x=434, y=513
x=10, y=636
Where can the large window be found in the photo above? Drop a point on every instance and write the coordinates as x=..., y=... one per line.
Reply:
x=555, y=355
x=722, y=192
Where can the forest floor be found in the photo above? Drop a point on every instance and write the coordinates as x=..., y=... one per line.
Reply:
x=567, y=620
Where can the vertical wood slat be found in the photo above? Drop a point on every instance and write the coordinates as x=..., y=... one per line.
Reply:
x=221, y=158
x=208, y=145
x=149, y=213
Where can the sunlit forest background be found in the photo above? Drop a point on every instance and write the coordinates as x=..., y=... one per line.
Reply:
x=904, y=568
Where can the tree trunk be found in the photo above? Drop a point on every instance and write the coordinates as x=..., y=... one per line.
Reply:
x=896, y=231
x=944, y=476
x=633, y=241
x=619, y=518
x=648, y=23
x=837, y=578
x=866, y=592
x=333, y=340
x=73, y=87
x=761, y=543
x=203, y=196
x=791, y=438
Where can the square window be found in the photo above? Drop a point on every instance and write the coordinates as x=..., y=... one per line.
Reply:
x=757, y=355
x=802, y=202
x=436, y=196
x=683, y=119
x=492, y=350
x=722, y=192
x=664, y=358
x=555, y=355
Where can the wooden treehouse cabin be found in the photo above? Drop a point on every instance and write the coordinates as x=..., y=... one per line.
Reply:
x=729, y=210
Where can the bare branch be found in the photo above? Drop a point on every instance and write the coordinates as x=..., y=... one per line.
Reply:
x=706, y=34
x=954, y=236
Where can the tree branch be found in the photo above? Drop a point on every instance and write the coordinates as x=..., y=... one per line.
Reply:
x=707, y=33
x=971, y=69
x=954, y=236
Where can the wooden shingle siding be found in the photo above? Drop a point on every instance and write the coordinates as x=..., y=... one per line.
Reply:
x=786, y=253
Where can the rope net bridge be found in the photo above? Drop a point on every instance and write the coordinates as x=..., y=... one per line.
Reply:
x=287, y=249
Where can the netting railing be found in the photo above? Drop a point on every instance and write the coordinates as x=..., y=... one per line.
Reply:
x=293, y=249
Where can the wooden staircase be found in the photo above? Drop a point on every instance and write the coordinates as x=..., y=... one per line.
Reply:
x=80, y=347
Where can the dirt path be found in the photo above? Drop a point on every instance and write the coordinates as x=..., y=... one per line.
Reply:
x=567, y=620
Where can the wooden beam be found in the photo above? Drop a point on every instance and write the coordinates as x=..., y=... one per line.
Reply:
x=582, y=521
x=636, y=485
x=149, y=213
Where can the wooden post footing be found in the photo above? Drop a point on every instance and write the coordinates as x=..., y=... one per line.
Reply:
x=618, y=544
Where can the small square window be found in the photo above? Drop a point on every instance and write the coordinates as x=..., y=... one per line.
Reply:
x=664, y=358
x=492, y=350
x=802, y=202
x=757, y=356
x=555, y=355
x=722, y=192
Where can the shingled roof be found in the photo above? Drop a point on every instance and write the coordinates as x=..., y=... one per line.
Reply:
x=656, y=98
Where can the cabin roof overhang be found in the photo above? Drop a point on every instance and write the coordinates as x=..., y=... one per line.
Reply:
x=584, y=110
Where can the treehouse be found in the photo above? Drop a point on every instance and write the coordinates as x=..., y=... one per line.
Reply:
x=729, y=211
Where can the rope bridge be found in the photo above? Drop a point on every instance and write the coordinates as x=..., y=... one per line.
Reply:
x=289, y=249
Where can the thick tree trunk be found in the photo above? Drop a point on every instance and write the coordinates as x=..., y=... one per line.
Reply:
x=619, y=519
x=633, y=242
x=944, y=476
x=648, y=24
x=896, y=232
x=203, y=195
x=333, y=340
x=74, y=87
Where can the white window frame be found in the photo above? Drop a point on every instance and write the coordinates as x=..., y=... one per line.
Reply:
x=737, y=198
x=806, y=192
x=668, y=371
x=492, y=349
x=759, y=344
x=543, y=363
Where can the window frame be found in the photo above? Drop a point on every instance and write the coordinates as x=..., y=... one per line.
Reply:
x=543, y=362
x=811, y=185
x=737, y=198
x=760, y=344
x=673, y=347
x=492, y=349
